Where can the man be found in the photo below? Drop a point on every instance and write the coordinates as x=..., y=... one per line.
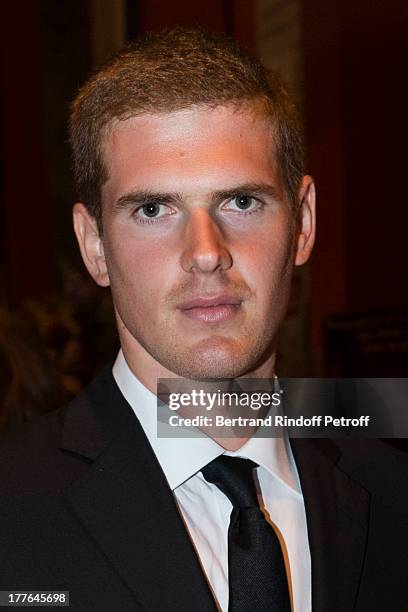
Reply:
x=194, y=208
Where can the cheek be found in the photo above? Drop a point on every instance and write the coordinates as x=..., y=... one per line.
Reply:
x=140, y=272
x=266, y=262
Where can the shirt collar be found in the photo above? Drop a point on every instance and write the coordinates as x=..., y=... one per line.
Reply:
x=181, y=458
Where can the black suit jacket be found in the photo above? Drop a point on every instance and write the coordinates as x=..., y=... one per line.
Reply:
x=85, y=507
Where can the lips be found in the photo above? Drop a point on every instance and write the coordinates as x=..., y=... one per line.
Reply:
x=212, y=309
x=208, y=302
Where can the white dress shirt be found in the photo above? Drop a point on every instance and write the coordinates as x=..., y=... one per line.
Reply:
x=206, y=510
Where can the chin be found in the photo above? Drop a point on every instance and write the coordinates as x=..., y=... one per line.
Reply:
x=217, y=360
x=209, y=371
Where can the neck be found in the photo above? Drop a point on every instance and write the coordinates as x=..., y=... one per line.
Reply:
x=148, y=371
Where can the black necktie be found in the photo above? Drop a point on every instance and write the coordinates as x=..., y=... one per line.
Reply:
x=256, y=569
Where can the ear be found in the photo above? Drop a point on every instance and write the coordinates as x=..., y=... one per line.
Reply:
x=307, y=220
x=90, y=244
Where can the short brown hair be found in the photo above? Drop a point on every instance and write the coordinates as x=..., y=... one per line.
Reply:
x=169, y=71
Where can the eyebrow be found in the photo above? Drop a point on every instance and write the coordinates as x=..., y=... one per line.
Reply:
x=143, y=197
x=247, y=189
x=140, y=198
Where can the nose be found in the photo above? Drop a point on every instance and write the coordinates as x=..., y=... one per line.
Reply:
x=204, y=249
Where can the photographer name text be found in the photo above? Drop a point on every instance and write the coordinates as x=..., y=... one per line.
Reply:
x=268, y=421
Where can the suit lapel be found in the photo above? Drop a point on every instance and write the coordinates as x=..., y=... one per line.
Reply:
x=337, y=510
x=126, y=505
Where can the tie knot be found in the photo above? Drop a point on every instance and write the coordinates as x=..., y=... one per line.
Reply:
x=234, y=477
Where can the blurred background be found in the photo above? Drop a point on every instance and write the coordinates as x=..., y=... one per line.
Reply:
x=345, y=63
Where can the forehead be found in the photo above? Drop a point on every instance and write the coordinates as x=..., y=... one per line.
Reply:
x=197, y=148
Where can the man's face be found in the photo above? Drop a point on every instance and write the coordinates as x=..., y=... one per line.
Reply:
x=199, y=240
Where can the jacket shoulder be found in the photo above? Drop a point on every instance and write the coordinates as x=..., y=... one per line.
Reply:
x=57, y=447
x=30, y=455
x=378, y=466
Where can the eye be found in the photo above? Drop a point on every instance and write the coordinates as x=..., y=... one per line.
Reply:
x=152, y=211
x=243, y=203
